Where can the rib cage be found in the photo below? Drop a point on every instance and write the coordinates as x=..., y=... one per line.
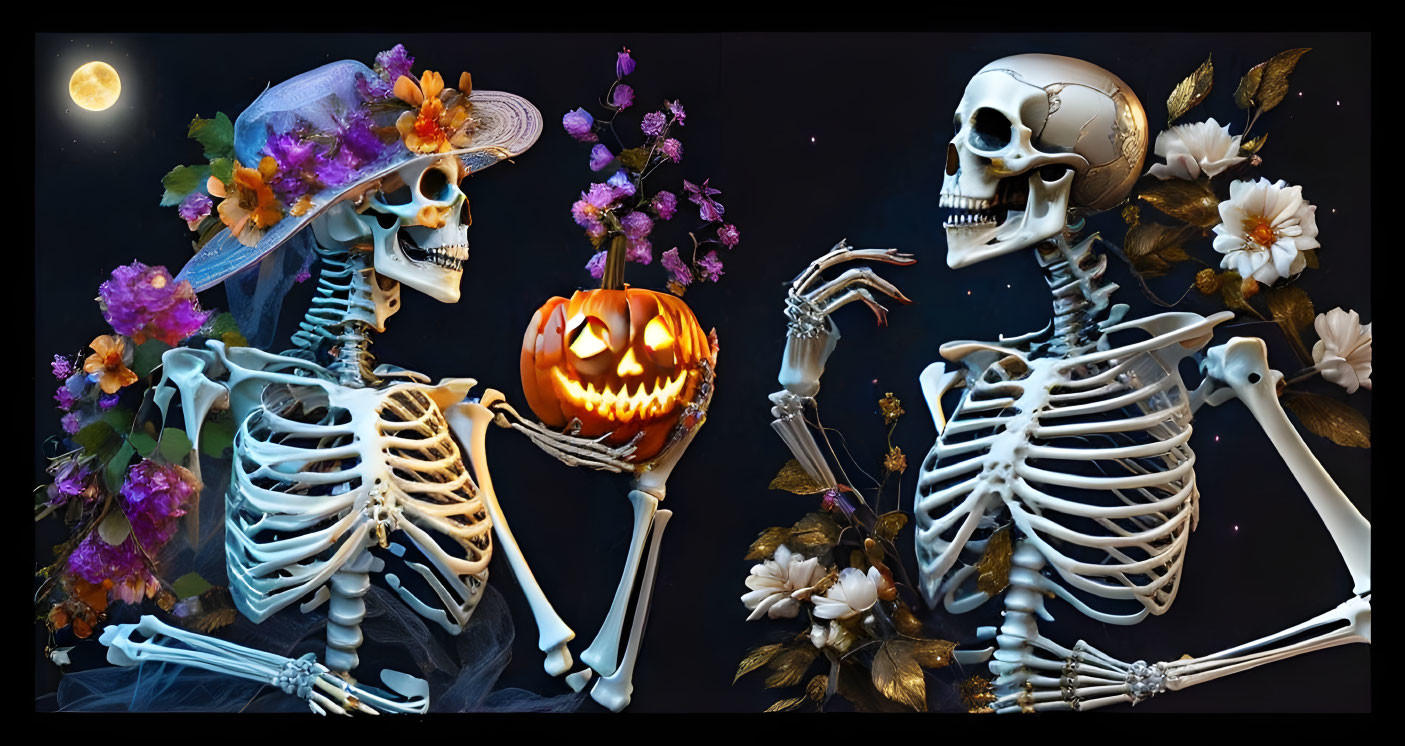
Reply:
x=1087, y=457
x=320, y=470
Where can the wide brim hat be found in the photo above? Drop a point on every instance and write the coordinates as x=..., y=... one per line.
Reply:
x=506, y=126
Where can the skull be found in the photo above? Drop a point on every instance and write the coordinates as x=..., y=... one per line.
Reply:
x=1037, y=136
x=417, y=222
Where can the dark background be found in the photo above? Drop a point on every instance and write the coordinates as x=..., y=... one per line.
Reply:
x=811, y=138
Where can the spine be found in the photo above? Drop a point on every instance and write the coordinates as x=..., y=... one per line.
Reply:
x=346, y=611
x=1023, y=602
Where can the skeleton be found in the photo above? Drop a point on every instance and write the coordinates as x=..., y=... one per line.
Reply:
x=1072, y=440
x=334, y=461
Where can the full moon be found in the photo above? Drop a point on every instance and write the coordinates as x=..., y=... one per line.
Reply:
x=95, y=86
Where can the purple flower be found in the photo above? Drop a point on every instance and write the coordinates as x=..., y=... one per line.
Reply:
x=390, y=65
x=596, y=265
x=710, y=266
x=653, y=123
x=70, y=423
x=579, y=124
x=676, y=267
x=303, y=166
x=63, y=367
x=71, y=479
x=600, y=157
x=108, y=401
x=676, y=109
x=95, y=560
x=141, y=301
x=154, y=497
x=624, y=64
x=729, y=235
x=623, y=97
x=639, y=251
x=636, y=225
x=664, y=204
x=357, y=145
x=702, y=197
x=65, y=398
x=621, y=184
x=600, y=196
x=194, y=208
x=672, y=148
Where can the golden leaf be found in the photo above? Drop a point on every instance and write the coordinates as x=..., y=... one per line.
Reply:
x=1191, y=201
x=786, y=704
x=1248, y=86
x=857, y=560
x=1311, y=256
x=1254, y=145
x=976, y=694
x=1331, y=418
x=1152, y=247
x=889, y=524
x=794, y=479
x=757, y=658
x=994, y=564
x=933, y=653
x=1232, y=291
x=766, y=543
x=906, y=622
x=817, y=687
x=1190, y=91
x=1274, y=86
x=897, y=676
x=1292, y=309
x=813, y=535
x=789, y=667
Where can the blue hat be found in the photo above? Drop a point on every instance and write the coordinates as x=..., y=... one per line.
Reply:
x=319, y=107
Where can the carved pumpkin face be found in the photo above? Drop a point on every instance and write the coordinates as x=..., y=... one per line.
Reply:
x=621, y=361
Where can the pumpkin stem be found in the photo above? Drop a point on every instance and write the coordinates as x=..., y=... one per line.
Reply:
x=613, y=278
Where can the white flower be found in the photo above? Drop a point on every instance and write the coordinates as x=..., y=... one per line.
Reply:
x=60, y=656
x=834, y=636
x=1265, y=229
x=1193, y=149
x=854, y=593
x=774, y=581
x=1343, y=354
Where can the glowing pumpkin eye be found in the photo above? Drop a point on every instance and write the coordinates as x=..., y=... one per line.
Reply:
x=657, y=336
x=590, y=341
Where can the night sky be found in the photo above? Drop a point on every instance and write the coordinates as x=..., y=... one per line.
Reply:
x=811, y=138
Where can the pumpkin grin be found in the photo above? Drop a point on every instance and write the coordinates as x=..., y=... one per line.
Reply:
x=623, y=405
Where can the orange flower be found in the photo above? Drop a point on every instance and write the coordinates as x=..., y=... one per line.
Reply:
x=107, y=362
x=444, y=118
x=251, y=209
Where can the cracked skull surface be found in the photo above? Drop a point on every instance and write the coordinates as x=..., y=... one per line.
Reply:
x=1037, y=136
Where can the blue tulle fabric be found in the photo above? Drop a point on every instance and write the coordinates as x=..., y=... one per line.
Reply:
x=256, y=294
x=462, y=670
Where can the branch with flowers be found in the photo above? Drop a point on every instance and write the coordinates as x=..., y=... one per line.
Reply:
x=838, y=569
x=117, y=477
x=1265, y=233
x=620, y=214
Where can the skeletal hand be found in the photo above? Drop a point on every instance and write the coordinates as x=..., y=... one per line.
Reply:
x=811, y=333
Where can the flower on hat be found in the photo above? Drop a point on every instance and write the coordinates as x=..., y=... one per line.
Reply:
x=444, y=117
x=249, y=207
x=108, y=364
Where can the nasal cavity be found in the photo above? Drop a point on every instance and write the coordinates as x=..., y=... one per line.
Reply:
x=953, y=159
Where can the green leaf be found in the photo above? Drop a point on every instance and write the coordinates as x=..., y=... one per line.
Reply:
x=98, y=439
x=115, y=528
x=116, y=472
x=181, y=181
x=147, y=356
x=175, y=444
x=222, y=169
x=223, y=324
x=145, y=444
x=190, y=584
x=217, y=435
x=216, y=135
x=120, y=418
x=635, y=159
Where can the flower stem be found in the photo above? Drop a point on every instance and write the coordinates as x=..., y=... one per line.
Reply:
x=613, y=277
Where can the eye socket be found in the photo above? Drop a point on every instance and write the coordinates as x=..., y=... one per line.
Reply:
x=591, y=339
x=387, y=220
x=434, y=183
x=990, y=130
x=397, y=197
x=657, y=336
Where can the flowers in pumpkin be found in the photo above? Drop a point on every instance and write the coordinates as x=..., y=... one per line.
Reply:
x=249, y=206
x=141, y=301
x=1343, y=354
x=775, y=582
x=854, y=593
x=442, y=120
x=1265, y=228
x=107, y=366
x=1194, y=149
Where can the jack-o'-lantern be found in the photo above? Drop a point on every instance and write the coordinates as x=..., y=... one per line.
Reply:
x=626, y=362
